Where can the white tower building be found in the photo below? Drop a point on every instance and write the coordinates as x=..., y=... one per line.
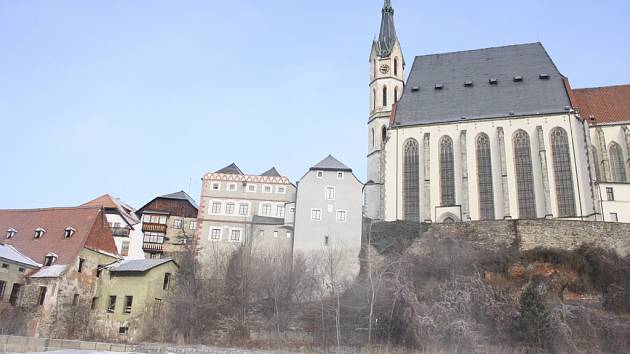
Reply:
x=386, y=86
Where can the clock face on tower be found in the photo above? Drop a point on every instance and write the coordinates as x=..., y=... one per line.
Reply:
x=384, y=68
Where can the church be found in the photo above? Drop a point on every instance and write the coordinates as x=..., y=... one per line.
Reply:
x=491, y=134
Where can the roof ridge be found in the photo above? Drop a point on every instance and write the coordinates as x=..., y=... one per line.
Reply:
x=600, y=87
x=53, y=208
x=479, y=49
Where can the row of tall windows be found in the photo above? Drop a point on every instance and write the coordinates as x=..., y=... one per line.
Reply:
x=523, y=168
x=385, y=97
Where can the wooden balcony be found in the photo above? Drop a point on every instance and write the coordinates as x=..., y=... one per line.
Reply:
x=153, y=247
x=148, y=227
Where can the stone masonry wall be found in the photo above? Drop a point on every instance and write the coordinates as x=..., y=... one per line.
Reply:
x=502, y=234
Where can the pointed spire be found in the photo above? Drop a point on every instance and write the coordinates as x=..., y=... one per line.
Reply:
x=387, y=37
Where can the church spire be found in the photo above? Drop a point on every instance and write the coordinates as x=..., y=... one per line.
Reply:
x=387, y=36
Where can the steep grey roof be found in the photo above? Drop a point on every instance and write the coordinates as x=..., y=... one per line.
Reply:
x=10, y=253
x=231, y=169
x=422, y=103
x=181, y=195
x=139, y=265
x=272, y=172
x=266, y=220
x=331, y=164
x=387, y=35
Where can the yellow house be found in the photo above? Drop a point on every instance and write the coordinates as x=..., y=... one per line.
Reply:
x=130, y=296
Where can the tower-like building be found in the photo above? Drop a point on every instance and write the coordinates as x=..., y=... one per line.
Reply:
x=386, y=86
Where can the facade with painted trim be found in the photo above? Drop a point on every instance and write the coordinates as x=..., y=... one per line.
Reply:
x=239, y=209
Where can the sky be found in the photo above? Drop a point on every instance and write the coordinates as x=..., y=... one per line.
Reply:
x=142, y=98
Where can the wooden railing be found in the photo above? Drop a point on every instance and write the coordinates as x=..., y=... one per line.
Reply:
x=154, y=227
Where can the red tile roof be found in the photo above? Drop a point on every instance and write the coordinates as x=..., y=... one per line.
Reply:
x=90, y=224
x=124, y=210
x=106, y=201
x=605, y=104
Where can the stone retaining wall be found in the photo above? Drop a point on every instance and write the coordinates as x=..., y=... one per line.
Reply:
x=502, y=234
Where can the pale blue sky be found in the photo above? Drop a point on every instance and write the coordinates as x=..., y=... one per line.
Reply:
x=135, y=98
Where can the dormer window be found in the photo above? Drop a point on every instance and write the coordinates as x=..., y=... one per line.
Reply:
x=39, y=232
x=69, y=231
x=11, y=232
x=50, y=259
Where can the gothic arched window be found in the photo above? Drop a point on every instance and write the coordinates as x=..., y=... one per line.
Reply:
x=374, y=69
x=383, y=135
x=396, y=66
x=447, y=171
x=411, y=181
x=524, y=176
x=484, y=173
x=562, y=172
x=617, y=166
x=595, y=162
x=384, y=96
x=374, y=99
x=372, y=137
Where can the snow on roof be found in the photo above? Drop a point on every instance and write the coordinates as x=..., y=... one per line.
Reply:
x=10, y=253
x=50, y=272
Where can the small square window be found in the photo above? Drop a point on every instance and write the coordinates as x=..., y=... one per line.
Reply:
x=177, y=223
x=288, y=235
x=275, y=234
x=251, y=188
x=339, y=175
x=215, y=234
x=316, y=214
x=232, y=187
x=330, y=193
x=320, y=174
x=265, y=210
x=216, y=207
x=193, y=224
x=235, y=235
x=341, y=215
x=281, y=189
x=216, y=186
x=243, y=209
x=267, y=189
x=123, y=330
x=229, y=208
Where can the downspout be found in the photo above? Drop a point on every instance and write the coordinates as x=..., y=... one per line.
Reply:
x=577, y=175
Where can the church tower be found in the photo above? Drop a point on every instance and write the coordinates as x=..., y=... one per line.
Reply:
x=386, y=86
